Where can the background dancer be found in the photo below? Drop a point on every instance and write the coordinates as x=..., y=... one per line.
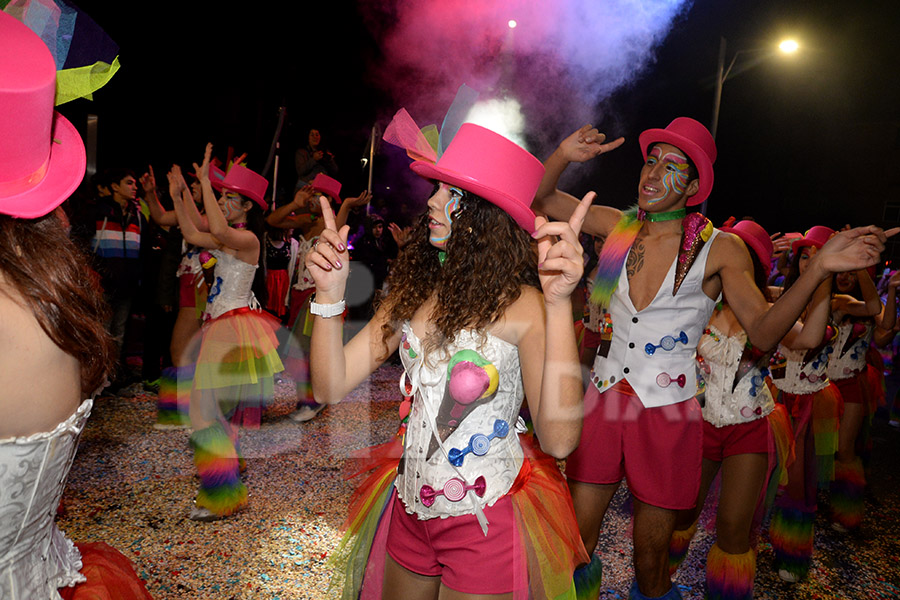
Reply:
x=238, y=353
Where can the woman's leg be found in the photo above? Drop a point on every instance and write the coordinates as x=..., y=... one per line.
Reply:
x=731, y=563
x=686, y=520
x=176, y=381
x=849, y=477
x=402, y=584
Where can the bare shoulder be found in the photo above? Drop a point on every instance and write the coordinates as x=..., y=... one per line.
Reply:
x=521, y=317
x=728, y=250
x=600, y=220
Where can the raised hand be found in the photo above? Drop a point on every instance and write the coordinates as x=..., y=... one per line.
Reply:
x=329, y=260
x=401, y=236
x=360, y=200
x=302, y=196
x=148, y=180
x=176, y=181
x=560, y=263
x=852, y=249
x=587, y=143
x=202, y=170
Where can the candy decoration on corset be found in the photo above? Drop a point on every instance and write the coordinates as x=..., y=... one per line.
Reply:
x=471, y=381
x=479, y=444
x=454, y=490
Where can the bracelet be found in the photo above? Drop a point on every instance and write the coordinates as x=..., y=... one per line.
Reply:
x=327, y=310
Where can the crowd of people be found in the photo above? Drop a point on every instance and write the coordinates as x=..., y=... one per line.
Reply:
x=703, y=351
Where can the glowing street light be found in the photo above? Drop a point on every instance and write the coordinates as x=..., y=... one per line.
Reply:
x=789, y=46
x=512, y=23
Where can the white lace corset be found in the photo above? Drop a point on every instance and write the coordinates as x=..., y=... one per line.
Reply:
x=844, y=364
x=749, y=400
x=801, y=376
x=304, y=280
x=36, y=558
x=497, y=460
x=232, y=286
x=190, y=263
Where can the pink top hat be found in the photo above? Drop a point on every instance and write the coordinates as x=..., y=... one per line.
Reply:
x=328, y=186
x=690, y=137
x=487, y=164
x=756, y=237
x=245, y=182
x=42, y=157
x=816, y=236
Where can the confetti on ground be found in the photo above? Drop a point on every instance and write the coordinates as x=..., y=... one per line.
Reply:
x=132, y=486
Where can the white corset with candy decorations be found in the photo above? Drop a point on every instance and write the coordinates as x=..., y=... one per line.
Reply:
x=461, y=451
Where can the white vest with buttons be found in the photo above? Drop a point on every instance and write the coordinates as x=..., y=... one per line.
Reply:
x=659, y=377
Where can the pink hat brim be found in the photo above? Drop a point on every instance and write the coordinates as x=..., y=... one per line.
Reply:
x=521, y=214
x=65, y=172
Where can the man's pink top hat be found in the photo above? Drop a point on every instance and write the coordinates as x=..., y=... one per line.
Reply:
x=42, y=158
x=487, y=164
x=692, y=138
x=245, y=182
x=755, y=237
x=816, y=236
x=327, y=185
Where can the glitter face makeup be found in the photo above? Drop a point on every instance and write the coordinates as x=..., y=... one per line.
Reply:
x=675, y=178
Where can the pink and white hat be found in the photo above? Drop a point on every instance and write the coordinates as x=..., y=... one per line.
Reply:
x=755, y=237
x=247, y=183
x=487, y=164
x=42, y=157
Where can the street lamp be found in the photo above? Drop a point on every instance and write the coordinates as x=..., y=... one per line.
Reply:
x=788, y=46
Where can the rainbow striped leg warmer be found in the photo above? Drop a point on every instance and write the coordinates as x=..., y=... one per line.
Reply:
x=847, y=504
x=730, y=576
x=221, y=489
x=588, y=579
x=635, y=594
x=791, y=533
x=174, y=400
x=678, y=546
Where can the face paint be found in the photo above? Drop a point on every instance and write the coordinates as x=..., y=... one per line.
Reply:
x=452, y=205
x=231, y=204
x=675, y=179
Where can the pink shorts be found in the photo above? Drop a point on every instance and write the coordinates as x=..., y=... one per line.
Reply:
x=456, y=550
x=186, y=293
x=851, y=389
x=744, y=438
x=657, y=450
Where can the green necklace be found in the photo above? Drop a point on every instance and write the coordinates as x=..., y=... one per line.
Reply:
x=659, y=217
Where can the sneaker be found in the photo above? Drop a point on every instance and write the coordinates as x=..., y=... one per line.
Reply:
x=894, y=423
x=839, y=528
x=786, y=575
x=306, y=413
x=151, y=386
x=204, y=515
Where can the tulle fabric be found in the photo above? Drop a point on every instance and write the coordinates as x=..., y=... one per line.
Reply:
x=238, y=358
x=110, y=576
x=543, y=510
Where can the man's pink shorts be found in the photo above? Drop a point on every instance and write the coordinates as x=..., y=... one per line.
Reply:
x=744, y=438
x=657, y=450
x=456, y=550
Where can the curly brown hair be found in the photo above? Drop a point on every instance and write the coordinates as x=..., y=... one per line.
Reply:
x=488, y=260
x=52, y=275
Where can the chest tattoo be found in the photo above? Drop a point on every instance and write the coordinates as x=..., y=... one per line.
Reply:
x=635, y=260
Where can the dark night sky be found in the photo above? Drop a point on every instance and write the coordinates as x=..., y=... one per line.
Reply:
x=813, y=140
